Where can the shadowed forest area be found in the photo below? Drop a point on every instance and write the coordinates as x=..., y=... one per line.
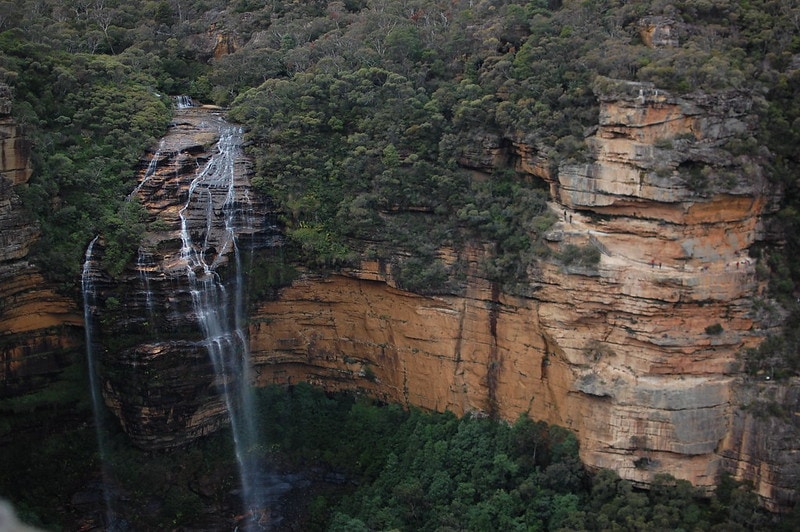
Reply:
x=359, y=465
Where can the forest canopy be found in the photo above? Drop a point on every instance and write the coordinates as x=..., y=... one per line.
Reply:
x=363, y=114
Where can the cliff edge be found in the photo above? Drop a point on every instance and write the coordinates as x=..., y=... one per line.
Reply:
x=639, y=353
x=37, y=325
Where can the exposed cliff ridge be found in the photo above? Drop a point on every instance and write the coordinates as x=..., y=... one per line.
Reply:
x=637, y=353
x=37, y=325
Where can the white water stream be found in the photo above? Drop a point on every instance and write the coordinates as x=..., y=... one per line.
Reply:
x=89, y=303
x=215, y=212
x=218, y=304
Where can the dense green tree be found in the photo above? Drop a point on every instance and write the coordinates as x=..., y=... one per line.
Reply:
x=90, y=119
x=435, y=472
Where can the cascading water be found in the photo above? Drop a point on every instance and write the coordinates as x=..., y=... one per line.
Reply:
x=143, y=261
x=184, y=102
x=219, y=310
x=89, y=302
x=151, y=169
x=180, y=315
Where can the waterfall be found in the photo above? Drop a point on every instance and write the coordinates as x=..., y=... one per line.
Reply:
x=143, y=261
x=89, y=302
x=151, y=169
x=184, y=102
x=220, y=311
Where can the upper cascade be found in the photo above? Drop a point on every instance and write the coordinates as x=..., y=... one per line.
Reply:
x=183, y=102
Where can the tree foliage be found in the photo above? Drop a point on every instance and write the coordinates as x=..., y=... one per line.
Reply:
x=362, y=156
x=90, y=118
x=364, y=111
x=433, y=471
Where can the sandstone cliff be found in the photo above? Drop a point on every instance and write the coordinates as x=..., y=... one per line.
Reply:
x=638, y=354
x=37, y=325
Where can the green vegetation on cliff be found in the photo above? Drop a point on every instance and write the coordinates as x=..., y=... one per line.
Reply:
x=363, y=115
x=357, y=157
x=90, y=118
x=383, y=126
x=459, y=83
x=421, y=471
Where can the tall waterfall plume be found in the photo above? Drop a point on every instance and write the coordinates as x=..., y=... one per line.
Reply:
x=89, y=304
x=218, y=302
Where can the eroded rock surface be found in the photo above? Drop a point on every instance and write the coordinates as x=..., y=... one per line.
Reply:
x=37, y=325
x=637, y=354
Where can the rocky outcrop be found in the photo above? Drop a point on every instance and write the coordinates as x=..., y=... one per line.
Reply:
x=217, y=41
x=157, y=375
x=37, y=325
x=224, y=45
x=659, y=32
x=15, y=152
x=637, y=354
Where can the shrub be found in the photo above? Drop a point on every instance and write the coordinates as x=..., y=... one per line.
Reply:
x=587, y=256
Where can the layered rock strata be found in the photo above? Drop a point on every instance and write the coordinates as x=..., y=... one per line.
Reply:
x=37, y=325
x=157, y=375
x=761, y=443
x=637, y=354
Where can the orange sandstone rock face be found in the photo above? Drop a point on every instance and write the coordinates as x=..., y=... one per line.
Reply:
x=15, y=165
x=224, y=45
x=460, y=354
x=659, y=32
x=637, y=355
x=36, y=324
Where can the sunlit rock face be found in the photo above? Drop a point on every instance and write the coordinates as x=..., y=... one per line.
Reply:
x=638, y=354
x=37, y=325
